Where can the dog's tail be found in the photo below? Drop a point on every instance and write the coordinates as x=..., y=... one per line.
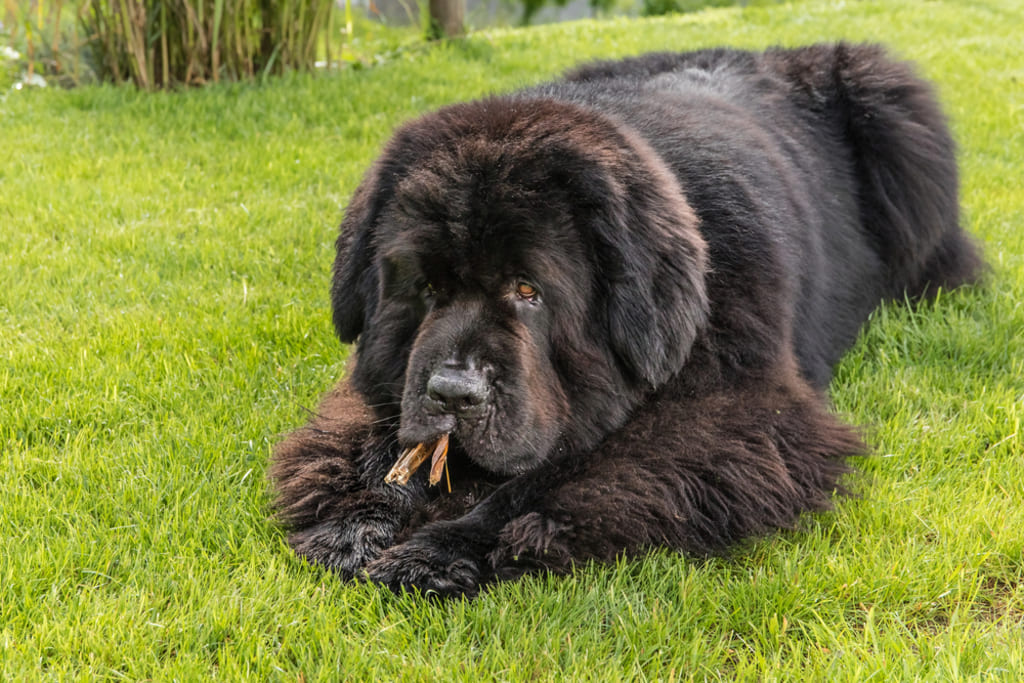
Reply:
x=904, y=159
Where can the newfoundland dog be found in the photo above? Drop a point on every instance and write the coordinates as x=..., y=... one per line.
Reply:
x=609, y=307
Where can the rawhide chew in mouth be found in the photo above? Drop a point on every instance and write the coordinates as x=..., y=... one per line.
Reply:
x=412, y=458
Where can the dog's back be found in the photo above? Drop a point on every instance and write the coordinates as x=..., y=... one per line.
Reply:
x=867, y=144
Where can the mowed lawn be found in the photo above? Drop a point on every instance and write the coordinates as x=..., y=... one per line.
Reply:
x=164, y=267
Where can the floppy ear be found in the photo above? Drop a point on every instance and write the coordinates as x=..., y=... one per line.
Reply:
x=354, y=286
x=654, y=265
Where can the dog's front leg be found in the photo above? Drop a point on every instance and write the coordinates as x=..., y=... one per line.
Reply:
x=328, y=478
x=453, y=558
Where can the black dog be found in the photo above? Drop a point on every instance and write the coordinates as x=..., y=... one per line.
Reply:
x=622, y=295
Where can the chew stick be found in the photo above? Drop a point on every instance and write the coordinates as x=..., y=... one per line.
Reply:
x=412, y=458
x=439, y=460
x=406, y=464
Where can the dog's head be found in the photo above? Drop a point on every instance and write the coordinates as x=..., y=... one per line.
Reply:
x=518, y=273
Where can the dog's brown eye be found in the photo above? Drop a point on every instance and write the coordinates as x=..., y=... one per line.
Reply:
x=526, y=290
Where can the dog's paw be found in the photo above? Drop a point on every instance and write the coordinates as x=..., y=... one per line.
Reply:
x=532, y=541
x=433, y=564
x=343, y=545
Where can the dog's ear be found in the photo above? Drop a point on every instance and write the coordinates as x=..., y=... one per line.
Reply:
x=355, y=282
x=653, y=266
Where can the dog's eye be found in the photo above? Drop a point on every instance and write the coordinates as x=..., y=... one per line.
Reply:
x=526, y=291
x=427, y=291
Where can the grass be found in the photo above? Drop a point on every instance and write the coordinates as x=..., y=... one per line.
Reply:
x=164, y=262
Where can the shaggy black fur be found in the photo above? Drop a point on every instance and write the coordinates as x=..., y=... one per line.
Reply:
x=622, y=294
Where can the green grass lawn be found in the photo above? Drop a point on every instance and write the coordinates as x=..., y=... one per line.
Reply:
x=164, y=264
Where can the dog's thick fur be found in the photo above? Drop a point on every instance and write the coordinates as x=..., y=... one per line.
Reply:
x=622, y=294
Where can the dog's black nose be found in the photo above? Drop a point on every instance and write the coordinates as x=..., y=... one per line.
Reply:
x=459, y=389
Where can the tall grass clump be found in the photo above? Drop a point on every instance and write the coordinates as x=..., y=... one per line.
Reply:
x=40, y=43
x=165, y=43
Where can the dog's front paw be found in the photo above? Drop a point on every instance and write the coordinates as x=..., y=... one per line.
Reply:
x=436, y=564
x=529, y=543
x=344, y=545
